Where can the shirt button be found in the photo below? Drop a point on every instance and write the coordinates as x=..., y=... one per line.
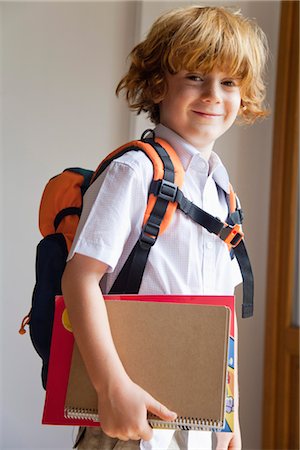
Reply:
x=209, y=245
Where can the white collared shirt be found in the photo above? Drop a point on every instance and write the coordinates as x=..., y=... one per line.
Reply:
x=186, y=259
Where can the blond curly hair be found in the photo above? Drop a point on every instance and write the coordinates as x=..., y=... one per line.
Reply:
x=198, y=38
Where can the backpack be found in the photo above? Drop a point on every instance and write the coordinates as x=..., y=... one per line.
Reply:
x=59, y=214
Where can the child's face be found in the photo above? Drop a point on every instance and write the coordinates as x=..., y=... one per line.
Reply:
x=200, y=108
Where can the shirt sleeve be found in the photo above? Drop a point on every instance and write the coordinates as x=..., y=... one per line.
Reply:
x=113, y=212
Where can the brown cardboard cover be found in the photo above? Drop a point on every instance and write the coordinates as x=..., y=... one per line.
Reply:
x=176, y=352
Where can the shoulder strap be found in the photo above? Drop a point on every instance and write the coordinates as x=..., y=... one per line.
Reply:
x=236, y=216
x=168, y=170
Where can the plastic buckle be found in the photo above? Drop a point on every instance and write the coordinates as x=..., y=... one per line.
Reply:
x=149, y=235
x=167, y=191
x=232, y=235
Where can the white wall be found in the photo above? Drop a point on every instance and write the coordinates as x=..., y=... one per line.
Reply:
x=61, y=63
x=1, y=232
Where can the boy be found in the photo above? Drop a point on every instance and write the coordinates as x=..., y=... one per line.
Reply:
x=196, y=71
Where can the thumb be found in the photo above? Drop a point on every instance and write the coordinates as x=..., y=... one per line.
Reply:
x=159, y=410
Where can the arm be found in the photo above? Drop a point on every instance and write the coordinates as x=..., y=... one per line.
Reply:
x=231, y=441
x=117, y=394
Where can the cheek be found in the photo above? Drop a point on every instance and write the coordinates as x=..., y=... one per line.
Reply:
x=237, y=103
x=234, y=106
x=172, y=104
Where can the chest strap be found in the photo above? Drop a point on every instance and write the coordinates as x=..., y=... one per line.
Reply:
x=230, y=233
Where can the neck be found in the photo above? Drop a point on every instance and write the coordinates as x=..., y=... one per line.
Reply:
x=205, y=152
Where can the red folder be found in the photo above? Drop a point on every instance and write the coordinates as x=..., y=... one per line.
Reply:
x=62, y=349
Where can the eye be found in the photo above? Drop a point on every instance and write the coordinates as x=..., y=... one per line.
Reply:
x=230, y=82
x=193, y=77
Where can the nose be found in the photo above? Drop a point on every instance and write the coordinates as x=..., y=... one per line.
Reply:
x=210, y=92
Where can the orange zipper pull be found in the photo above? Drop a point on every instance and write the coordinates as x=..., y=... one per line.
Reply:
x=25, y=322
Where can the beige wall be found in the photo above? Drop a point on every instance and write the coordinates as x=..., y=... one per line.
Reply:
x=60, y=65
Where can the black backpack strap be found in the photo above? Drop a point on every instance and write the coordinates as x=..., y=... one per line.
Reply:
x=130, y=277
x=240, y=252
x=70, y=211
x=243, y=260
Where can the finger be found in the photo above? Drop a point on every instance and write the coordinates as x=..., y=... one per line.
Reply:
x=134, y=437
x=123, y=438
x=146, y=433
x=160, y=410
x=222, y=440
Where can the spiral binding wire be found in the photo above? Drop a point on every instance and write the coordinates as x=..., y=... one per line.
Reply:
x=186, y=423
x=181, y=423
x=80, y=413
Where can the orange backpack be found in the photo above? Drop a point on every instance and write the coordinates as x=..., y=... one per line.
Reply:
x=60, y=211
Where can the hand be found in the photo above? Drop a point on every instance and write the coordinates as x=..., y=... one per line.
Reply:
x=123, y=411
x=227, y=441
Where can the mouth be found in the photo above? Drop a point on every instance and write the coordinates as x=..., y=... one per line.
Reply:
x=207, y=114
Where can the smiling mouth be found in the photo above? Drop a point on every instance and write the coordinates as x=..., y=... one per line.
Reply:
x=205, y=114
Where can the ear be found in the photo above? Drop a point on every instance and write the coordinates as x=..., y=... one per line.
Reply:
x=243, y=107
x=159, y=91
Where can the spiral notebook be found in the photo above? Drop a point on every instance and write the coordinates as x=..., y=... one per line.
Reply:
x=175, y=347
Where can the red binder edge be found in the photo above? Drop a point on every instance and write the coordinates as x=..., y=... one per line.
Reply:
x=62, y=348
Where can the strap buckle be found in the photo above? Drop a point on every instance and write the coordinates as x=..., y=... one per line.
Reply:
x=149, y=235
x=232, y=235
x=167, y=191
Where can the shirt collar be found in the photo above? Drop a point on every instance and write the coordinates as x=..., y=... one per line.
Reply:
x=188, y=153
x=184, y=150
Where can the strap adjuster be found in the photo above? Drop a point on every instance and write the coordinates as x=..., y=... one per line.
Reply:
x=167, y=191
x=231, y=235
x=149, y=235
x=146, y=241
